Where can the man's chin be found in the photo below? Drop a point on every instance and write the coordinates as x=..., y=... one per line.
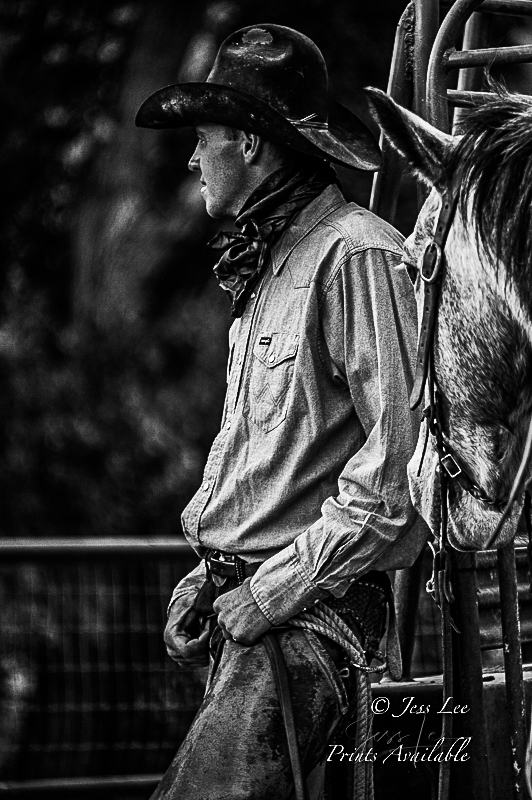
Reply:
x=212, y=211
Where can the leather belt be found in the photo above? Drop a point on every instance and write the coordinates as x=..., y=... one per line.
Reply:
x=227, y=565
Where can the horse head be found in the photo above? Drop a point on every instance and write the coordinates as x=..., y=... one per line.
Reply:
x=482, y=346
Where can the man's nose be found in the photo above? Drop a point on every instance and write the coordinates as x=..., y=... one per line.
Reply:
x=193, y=164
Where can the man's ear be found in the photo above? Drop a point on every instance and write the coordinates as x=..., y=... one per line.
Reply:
x=251, y=146
x=424, y=147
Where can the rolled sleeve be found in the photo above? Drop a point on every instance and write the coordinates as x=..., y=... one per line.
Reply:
x=270, y=582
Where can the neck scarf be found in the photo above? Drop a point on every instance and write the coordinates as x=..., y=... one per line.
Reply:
x=262, y=218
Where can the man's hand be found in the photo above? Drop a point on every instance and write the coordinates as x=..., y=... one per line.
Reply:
x=239, y=616
x=179, y=645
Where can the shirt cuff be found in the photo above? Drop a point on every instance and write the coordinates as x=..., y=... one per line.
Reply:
x=281, y=588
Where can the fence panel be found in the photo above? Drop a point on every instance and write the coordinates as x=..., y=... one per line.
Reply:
x=86, y=687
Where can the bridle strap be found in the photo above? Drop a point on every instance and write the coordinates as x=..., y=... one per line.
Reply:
x=431, y=275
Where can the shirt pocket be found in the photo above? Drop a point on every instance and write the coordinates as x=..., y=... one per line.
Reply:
x=270, y=380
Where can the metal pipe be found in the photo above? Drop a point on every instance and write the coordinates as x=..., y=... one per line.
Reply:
x=471, y=79
x=513, y=666
x=519, y=8
x=450, y=30
x=489, y=597
x=471, y=99
x=114, y=782
x=36, y=548
x=387, y=181
x=455, y=59
x=427, y=21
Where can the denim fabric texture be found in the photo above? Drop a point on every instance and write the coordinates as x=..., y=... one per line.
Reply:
x=309, y=471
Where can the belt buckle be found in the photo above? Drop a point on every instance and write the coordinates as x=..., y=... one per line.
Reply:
x=219, y=558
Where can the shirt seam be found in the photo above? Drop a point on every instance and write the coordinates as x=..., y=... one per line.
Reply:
x=320, y=220
x=265, y=611
x=325, y=358
x=356, y=247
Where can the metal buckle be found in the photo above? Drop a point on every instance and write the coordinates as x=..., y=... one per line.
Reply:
x=451, y=467
x=431, y=261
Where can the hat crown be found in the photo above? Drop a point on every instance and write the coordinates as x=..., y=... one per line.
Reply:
x=277, y=65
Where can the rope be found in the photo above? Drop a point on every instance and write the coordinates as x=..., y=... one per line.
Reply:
x=321, y=619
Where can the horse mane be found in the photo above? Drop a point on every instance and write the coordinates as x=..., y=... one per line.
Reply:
x=495, y=153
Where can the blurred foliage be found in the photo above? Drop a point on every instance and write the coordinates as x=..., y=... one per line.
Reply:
x=112, y=330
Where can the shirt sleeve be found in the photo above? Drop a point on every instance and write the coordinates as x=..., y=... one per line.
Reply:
x=190, y=584
x=369, y=333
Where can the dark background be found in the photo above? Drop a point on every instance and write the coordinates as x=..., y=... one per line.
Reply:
x=112, y=328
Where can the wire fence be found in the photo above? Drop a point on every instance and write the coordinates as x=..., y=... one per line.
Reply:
x=86, y=686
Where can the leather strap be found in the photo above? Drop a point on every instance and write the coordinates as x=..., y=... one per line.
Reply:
x=431, y=275
x=280, y=676
x=426, y=334
x=233, y=569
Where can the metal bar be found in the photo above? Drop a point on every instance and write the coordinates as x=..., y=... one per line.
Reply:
x=29, y=548
x=486, y=559
x=450, y=30
x=472, y=99
x=387, y=181
x=490, y=598
x=455, y=59
x=465, y=99
x=519, y=8
x=513, y=666
x=426, y=28
x=115, y=782
x=471, y=79
x=465, y=612
x=492, y=637
x=427, y=20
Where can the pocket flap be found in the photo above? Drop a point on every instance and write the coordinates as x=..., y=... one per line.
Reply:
x=273, y=348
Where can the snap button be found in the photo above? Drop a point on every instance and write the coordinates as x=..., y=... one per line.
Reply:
x=205, y=486
x=228, y=426
x=271, y=358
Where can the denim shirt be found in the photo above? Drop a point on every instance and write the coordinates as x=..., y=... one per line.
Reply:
x=309, y=471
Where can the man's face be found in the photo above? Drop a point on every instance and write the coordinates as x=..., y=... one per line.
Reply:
x=219, y=160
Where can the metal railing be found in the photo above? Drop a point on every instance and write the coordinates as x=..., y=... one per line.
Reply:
x=89, y=700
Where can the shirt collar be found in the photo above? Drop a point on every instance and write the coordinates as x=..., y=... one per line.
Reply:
x=307, y=219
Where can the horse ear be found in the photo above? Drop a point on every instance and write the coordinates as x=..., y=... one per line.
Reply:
x=424, y=147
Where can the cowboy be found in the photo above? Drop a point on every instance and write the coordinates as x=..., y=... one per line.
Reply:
x=304, y=503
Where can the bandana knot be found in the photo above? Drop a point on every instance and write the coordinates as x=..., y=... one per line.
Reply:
x=263, y=217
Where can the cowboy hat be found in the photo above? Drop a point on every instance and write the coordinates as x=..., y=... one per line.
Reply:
x=272, y=81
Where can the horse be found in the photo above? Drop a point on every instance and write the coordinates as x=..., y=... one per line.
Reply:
x=482, y=343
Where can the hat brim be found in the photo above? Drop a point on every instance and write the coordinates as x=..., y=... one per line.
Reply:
x=347, y=141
